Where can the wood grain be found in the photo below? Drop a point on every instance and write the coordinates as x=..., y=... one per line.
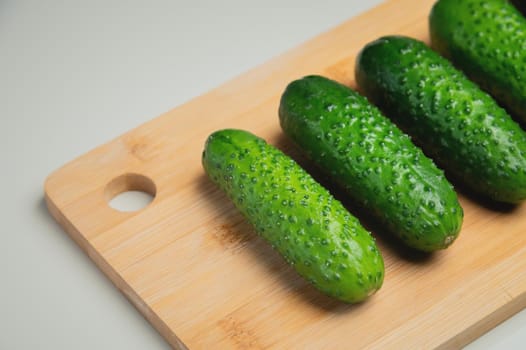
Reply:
x=198, y=272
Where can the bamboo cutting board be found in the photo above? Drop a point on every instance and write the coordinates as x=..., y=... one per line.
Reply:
x=205, y=280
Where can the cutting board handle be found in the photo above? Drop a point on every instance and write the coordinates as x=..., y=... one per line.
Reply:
x=129, y=182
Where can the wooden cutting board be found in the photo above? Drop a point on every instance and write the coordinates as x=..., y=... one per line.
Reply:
x=205, y=280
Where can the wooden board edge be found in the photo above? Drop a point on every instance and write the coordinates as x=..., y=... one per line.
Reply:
x=487, y=323
x=114, y=276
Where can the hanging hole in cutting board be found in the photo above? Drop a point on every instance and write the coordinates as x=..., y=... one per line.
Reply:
x=130, y=192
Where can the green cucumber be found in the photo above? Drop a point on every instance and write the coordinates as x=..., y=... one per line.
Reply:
x=455, y=122
x=377, y=164
x=299, y=217
x=487, y=40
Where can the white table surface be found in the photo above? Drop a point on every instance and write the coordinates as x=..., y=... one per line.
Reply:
x=74, y=74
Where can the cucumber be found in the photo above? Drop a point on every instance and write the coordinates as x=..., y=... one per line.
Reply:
x=299, y=217
x=455, y=122
x=368, y=156
x=487, y=40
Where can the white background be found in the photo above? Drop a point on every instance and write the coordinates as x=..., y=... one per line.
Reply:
x=74, y=74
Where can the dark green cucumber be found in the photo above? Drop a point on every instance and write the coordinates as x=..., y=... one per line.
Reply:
x=299, y=217
x=372, y=160
x=455, y=122
x=487, y=40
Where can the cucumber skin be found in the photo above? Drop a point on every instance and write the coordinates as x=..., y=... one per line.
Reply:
x=299, y=217
x=487, y=40
x=455, y=122
x=369, y=157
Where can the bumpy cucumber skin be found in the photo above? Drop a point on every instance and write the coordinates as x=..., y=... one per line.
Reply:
x=299, y=217
x=377, y=164
x=455, y=122
x=487, y=40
